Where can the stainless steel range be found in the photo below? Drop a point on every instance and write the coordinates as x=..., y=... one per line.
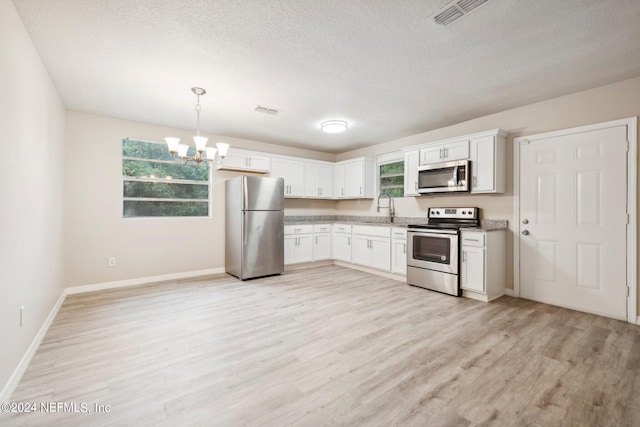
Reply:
x=433, y=249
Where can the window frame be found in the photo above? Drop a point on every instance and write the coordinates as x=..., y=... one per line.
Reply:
x=387, y=159
x=208, y=201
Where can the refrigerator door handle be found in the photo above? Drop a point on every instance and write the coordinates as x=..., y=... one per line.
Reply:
x=244, y=229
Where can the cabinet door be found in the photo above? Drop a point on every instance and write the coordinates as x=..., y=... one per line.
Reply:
x=342, y=247
x=482, y=166
x=325, y=177
x=311, y=180
x=258, y=163
x=304, y=250
x=353, y=175
x=296, y=179
x=290, y=249
x=322, y=246
x=411, y=161
x=399, y=256
x=338, y=181
x=280, y=169
x=472, y=269
x=456, y=151
x=380, y=253
x=360, y=252
x=431, y=155
x=233, y=161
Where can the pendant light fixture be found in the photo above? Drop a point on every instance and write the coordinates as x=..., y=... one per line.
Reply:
x=203, y=154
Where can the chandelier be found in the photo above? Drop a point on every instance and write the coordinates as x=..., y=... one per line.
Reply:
x=204, y=154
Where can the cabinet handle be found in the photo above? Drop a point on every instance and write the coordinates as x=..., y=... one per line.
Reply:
x=348, y=241
x=297, y=229
x=441, y=153
x=343, y=191
x=316, y=240
x=249, y=158
x=361, y=191
x=404, y=248
x=446, y=152
x=416, y=185
x=475, y=181
x=471, y=240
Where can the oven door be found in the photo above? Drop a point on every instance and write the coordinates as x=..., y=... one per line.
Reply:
x=436, y=251
x=444, y=177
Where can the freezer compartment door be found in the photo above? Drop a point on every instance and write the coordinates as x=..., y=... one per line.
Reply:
x=262, y=243
x=262, y=193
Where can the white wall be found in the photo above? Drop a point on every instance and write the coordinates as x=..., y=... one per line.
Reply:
x=31, y=191
x=143, y=247
x=611, y=102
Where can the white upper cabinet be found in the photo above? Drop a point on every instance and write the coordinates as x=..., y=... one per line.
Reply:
x=488, y=163
x=243, y=160
x=411, y=163
x=486, y=152
x=447, y=152
x=318, y=180
x=292, y=172
x=354, y=179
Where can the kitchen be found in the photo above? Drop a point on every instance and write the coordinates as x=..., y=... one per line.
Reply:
x=81, y=154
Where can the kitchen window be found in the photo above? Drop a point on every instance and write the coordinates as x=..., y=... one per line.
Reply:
x=391, y=174
x=153, y=185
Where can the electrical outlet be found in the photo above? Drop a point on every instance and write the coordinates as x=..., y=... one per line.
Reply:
x=21, y=316
x=112, y=261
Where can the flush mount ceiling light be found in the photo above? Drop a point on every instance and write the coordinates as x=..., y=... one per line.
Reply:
x=334, y=126
x=203, y=154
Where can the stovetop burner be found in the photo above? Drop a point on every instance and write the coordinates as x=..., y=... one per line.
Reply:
x=449, y=219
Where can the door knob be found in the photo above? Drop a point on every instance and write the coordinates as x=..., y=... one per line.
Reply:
x=525, y=232
x=525, y=221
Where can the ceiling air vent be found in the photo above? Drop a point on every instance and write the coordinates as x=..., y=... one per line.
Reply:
x=266, y=110
x=456, y=9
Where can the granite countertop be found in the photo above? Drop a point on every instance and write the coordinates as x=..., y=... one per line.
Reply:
x=382, y=221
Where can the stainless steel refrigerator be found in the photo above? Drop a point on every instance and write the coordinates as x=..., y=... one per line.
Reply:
x=254, y=215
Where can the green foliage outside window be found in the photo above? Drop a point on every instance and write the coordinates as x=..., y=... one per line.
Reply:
x=392, y=179
x=154, y=185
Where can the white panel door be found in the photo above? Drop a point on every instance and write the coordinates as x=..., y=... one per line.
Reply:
x=380, y=253
x=361, y=253
x=472, y=268
x=573, y=221
x=322, y=246
x=353, y=173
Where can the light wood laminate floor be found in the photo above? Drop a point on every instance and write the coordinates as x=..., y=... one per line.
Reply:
x=328, y=346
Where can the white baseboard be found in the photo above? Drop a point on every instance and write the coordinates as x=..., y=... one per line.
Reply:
x=509, y=292
x=398, y=277
x=142, y=281
x=15, y=378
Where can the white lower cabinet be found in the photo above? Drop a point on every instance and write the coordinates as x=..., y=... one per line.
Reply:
x=372, y=247
x=321, y=242
x=482, y=264
x=399, y=250
x=298, y=243
x=341, y=242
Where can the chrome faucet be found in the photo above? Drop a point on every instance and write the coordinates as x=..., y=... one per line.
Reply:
x=392, y=211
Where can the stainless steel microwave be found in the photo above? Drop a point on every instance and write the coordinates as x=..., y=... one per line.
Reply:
x=444, y=177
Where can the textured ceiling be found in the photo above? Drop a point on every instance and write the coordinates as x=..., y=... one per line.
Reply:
x=382, y=65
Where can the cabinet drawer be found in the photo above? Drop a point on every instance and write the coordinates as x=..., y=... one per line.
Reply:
x=322, y=228
x=298, y=229
x=372, y=230
x=342, y=228
x=470, y=238
x=399, y=233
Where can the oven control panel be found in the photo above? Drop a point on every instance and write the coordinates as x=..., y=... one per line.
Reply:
x=457, y=213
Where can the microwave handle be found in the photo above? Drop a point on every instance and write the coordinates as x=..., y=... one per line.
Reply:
x=455, y=175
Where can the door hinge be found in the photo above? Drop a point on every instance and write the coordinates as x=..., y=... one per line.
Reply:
x=627, y=219
x=628, y=291
x=628, y=146
x=524, y=142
